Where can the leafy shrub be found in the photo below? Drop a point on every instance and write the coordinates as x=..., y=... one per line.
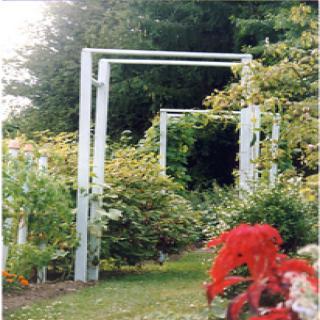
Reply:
x=207, y=202
x=26, y=259
x=44, y=200
x=153, y=216
x=283, y=207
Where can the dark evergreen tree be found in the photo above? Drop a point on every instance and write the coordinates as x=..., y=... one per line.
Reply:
x=138, y=92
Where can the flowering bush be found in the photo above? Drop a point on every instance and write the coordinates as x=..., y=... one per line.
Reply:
x=12, y=280
x=271, y=273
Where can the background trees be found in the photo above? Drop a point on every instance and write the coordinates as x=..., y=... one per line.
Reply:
x=138, y=92
x=284, y=79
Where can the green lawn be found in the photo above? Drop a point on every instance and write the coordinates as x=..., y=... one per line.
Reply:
x=173, y=291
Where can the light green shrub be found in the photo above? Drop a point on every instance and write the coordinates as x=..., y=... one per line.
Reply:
x=154, y=216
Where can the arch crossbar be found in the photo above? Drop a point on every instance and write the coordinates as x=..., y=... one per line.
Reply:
x=85, y=269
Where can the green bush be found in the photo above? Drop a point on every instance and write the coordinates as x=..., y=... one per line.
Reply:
x=26, y=258
x=207, y=202
x=44, y=200
x=153, y=216
x=283, y=207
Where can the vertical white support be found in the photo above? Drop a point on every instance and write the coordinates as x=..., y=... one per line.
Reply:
x=22, y=231
x=274, y=148
x=244, y=153
x=245, y=75
x=249, y=134
x=14, y=147
x=42, y=273
x=98, y=163
x=83, y=165
x=43, y=163
x=249, y=146
x=23, y=223
x=255, y=118
x=5, y=248
x=163, y=141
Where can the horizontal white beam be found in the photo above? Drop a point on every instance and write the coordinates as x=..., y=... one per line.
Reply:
x=172, y=54
x=206, y=111
x=216, y=116
x=184, y=111
x=175, y=115
x=195, y=111
x=173, y=62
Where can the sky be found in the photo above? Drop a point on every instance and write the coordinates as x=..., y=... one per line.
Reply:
x=15, y=32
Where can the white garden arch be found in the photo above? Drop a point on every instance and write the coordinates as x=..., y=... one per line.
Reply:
x=247, y=170
x=248, y=153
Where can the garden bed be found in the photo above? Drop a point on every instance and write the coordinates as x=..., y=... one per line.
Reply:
x=19, y=298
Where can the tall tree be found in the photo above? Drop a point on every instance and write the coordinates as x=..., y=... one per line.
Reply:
x=137, y=91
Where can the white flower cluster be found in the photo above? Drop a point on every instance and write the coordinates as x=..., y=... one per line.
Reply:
x=312, y=251
x=303, y=299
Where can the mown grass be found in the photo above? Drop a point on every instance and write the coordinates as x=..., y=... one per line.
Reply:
x=172, y=291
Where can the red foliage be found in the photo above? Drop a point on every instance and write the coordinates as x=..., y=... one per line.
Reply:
x=257, y=247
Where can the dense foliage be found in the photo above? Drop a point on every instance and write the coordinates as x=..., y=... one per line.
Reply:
x=152, y=216
x=43, y=201
x=284, y=80
x=283, y=207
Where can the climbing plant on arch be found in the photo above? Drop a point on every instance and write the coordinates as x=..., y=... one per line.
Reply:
x=249, y=147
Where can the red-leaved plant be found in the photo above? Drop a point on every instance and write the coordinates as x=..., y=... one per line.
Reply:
x=257, y=247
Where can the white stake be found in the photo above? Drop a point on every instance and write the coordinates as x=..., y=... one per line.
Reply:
x=23, y=223
x=42, y=273
x=14, y=147
x=274, y=148
x=163, y=141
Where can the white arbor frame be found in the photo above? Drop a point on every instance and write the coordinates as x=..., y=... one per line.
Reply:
x=83, y=272
x=247, y=172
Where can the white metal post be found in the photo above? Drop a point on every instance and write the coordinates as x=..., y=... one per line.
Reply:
x=98, y=164
x=249, y=134
x=244, y=143
x=23, y=223
x=163, y=141
x=83, y=165
x=42, y=273
x=244, y=153
x=255, y=116
x=274, y=148
x=14, y=147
